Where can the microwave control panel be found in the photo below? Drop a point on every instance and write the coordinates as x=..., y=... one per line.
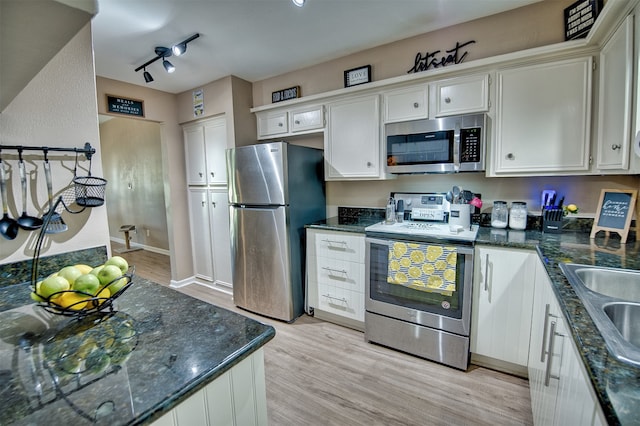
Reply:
x=470, y=145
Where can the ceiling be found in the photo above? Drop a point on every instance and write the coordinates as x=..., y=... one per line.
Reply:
x=258, y=39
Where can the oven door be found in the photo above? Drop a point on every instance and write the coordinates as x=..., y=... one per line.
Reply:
x=448, y=311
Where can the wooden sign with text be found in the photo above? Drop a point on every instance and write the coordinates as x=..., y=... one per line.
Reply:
x=616, y=208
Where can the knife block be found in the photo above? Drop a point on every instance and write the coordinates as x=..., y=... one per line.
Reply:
x=552, y=221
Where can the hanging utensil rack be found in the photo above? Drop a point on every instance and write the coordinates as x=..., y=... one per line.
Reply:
x=87, y=150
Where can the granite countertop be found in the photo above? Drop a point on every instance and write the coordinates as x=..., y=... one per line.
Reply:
x=128, y=367
x=616, y=384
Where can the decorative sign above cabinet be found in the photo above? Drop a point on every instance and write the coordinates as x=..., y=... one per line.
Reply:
x=580, y=17
x=285, y=94
x=433, y=60
x=120, y=105
x=355, y=76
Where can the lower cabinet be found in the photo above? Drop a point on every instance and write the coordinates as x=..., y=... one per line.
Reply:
x=561, y=393
x=237, y=397
x=211, y=241
x=335, y=277
x=501, y=311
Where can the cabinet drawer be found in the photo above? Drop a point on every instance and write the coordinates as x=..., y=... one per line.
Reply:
x=341, y=246
x=338, y=301
x=307, y=119
x=341, y=274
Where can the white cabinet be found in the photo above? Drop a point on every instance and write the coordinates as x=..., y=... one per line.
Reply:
x=210, y=237
x=502, y=304
x=408, y=103
x=352, y=143
x=335, y=277
x=272, y=123
x=614, y=100
x=543, y=118
x=307, y=118
x=561, y=393
x=460, y=95
x=205, y=145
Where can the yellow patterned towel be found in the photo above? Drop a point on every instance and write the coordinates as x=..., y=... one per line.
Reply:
x=422, y=267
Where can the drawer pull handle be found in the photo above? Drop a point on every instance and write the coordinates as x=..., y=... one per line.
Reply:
x=331, y=299
x=334, y=242
x=552, y=338
x=331, y=271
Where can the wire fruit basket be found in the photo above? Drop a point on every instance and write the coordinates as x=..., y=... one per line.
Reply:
x=76, y=303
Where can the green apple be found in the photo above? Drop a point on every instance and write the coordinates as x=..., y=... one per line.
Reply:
x=118, y=261
x=116, y=286
x=70, y=273
x=53, y=285
x=108, y=274
x=96, y=270
x=87, y=283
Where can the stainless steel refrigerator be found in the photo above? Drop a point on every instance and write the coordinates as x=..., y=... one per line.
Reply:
x=275, y=189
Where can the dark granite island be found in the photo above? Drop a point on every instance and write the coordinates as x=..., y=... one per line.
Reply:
x=162, y=356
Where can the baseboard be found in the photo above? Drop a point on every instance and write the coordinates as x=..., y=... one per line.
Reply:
x=181, y=283
x=220, y=286
x=498, y=365
x=140, y=246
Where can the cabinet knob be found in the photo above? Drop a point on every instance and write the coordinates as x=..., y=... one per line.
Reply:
x=614, y=147
x=213, y=203
x=297, y=121
x=447, y=100
x=203, y=204
x=200, y=174
x=416, y=105
x=369, y=164
x=280, y=124
x=510, y=156
x=213, y=174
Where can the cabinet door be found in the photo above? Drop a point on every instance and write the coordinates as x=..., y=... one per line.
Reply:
x=410, y=103
x=502, y=304
x=461, y=95
x=305, y=119
x=195, y=155
x=614, y=101
x=215, y=136
x=352, y=140
x=543, y=118
x=219, y=215
x=272, y=123
x=200, y=233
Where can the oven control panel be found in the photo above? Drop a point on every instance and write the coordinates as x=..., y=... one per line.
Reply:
x=424, y=206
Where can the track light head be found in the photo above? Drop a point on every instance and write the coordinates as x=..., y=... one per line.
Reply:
x=298, y=3
x=147, y=77
x=179, y=48
x=168, y=66
x=163, y=52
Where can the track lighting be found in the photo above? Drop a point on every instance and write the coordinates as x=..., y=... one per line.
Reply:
x=164, y=53
x=298, y=3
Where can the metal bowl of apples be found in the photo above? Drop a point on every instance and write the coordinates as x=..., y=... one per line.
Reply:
x=79, y=290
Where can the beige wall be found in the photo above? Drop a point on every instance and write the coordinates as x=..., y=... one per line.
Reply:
x=132, y=162
x=58, y=111
x=531, y=26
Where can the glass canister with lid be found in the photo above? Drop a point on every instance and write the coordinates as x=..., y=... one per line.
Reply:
x=499, y=214
x=518, y=215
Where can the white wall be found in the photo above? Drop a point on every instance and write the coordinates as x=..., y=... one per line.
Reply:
x=57, y=109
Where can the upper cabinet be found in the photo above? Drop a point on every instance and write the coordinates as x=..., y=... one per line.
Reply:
x=460, y=95
x=543, y=119
x=205, y=145
x=272, y=123
x=352, y=141
x=290, y=121
x=615, y=99
x=408, y=103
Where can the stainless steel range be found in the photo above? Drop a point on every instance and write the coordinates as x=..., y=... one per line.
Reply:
x=419, y=277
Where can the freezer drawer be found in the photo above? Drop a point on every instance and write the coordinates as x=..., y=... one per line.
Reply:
x=263, y=281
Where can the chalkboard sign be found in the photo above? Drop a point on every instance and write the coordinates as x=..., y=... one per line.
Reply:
x=120, y=105
x=616, y=208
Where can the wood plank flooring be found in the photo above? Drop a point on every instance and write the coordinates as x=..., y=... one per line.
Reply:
x=320, y=373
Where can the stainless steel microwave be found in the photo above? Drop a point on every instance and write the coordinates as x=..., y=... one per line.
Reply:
x=443, y=145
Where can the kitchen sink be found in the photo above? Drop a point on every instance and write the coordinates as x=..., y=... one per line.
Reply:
x=612, y=299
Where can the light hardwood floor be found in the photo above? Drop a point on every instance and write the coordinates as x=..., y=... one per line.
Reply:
x=320, y=373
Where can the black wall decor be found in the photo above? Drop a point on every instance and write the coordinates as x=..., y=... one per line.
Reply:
x=285, y=94
x=435, y=59
x=580, y=17
x=120, y=105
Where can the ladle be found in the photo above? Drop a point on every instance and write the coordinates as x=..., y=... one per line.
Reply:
x=25, y=221
x=8, y=226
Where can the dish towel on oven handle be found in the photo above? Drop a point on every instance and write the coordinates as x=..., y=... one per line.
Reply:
x=424, y=267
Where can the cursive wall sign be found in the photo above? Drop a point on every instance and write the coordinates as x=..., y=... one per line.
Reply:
x=435, y=59
x=615, y=210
